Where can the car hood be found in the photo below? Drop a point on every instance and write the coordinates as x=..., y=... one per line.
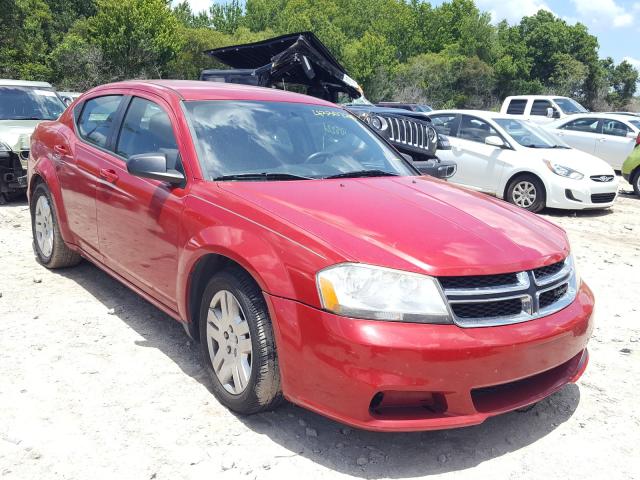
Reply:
x=584, y=163
x=17, y=133
x=411, y=223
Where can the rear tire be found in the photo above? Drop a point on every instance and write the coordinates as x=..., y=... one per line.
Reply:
x=635, y=181
x=527, y=192
x=237, y=337
x=48, y=244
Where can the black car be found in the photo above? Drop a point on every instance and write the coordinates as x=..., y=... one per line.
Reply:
x=412, y=107
x=300, y=62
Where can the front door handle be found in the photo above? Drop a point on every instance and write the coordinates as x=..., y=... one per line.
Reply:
x=60, y=149
x=109, y=175
x=602, y=139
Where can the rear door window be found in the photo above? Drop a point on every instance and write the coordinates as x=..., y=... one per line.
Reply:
x=95, y=124
x=516, y=107
x=539, y=107
x=445, y=124
x=586, y=125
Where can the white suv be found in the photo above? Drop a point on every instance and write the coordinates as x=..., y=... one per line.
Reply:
x=519, y=161
x=541, y=108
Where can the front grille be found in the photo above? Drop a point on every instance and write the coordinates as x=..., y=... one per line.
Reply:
x=602, y=178
x=543, y=272
x=406, y=132
x=551, y=296
x=504, y=308
x=479, y=281
x=502, y=299
x=603, y=197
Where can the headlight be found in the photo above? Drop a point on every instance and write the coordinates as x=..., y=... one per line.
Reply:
x=4, y=147
x=378, y=122
x=564, y=171
x=377, y=293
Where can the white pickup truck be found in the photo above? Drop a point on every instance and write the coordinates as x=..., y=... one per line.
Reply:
x=541, y=108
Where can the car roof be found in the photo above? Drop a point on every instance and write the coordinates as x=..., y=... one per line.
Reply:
x=203, y=90
x=527, y=97
x=478, y=113
x=613, y=116
x=5, y=82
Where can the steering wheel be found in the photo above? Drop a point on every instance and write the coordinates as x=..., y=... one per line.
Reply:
x=314, y=157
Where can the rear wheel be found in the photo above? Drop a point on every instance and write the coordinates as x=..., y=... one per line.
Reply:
x=238, y=348
x=527, y=191
x=635, y=181
x=48, y=243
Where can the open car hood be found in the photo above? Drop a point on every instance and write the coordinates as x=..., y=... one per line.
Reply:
x=298, y=58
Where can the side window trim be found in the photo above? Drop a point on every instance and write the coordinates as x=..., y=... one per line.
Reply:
x=117, y=124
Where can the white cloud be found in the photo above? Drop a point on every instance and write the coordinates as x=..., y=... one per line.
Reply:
x=197, y=5
x=633, y=61
x=511, y=11
x=603, y=13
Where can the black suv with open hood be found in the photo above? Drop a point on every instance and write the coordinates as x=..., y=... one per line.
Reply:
x=300, y=62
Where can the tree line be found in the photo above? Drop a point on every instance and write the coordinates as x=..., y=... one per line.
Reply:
x=406, y=50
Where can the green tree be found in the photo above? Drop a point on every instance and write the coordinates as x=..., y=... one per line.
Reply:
x=138, y=38
x=622, y=80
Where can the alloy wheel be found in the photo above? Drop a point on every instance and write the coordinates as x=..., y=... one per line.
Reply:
x=44, y=226
x=524, y=194
x=229, y=342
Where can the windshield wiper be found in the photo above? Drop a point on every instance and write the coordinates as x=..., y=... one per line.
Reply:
x=260, y=176
x=363, y=173
x=29, y=118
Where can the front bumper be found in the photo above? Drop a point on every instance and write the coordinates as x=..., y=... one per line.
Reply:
x=580, y=194
x=430, y=376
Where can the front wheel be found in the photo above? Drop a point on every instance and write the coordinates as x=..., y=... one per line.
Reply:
x=48, y=244
x=237, y=343
x=527, y=191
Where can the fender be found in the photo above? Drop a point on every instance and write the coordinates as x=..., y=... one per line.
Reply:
x=44, y=168
x=260, y=255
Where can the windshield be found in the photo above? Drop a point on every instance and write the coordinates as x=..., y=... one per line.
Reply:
x=635, y=123
x=423, y=108
x=529, y=135
x=280, y=141
x=569, y=105
x=29, y=103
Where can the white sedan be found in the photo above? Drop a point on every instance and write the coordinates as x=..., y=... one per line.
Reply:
x=522, y=163
x=608, y=136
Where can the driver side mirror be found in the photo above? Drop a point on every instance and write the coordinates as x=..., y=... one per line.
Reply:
x=494, y=141
x=633, y=135
x=154, y=165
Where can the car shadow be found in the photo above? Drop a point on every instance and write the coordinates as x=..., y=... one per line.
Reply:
x=303, y=433
x=556, y=212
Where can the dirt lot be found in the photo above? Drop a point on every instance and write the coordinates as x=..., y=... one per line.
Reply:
x=96, y=383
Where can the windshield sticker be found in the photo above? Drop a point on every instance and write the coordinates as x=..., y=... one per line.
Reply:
x=45, y=93
x=331, y=113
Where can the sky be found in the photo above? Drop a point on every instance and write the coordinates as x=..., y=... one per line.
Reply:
x=616, y=23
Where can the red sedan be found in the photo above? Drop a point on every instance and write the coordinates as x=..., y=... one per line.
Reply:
x=308, y=258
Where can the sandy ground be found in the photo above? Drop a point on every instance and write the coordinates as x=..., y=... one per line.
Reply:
x=96, y=383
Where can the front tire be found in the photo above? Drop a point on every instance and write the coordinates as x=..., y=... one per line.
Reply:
x=527, y=192
x=49, y=246
x=237, y=344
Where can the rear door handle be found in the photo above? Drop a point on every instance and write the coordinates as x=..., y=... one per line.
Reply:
x=109, y=175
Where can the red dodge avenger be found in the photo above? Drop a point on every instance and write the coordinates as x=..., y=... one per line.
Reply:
x=310, y=260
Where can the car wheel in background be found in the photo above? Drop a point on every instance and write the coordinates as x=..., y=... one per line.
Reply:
x=48, y=244
x=237, y=343
x=635, y=181
x=527, y=192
